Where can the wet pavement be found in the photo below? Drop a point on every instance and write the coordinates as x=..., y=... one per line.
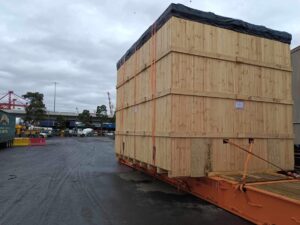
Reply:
x=77, y=181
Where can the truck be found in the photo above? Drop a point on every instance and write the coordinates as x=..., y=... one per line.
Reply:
x=7, y=129
x=231, y=150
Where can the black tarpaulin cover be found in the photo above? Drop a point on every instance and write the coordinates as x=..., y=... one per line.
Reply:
x=181, y=11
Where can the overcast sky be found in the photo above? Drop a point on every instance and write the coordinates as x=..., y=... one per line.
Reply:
x=77, y=43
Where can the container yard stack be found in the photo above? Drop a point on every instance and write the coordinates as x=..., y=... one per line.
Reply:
x=295, y=55
x=195, y=79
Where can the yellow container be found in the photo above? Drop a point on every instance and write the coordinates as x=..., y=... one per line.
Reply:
x=21, y=142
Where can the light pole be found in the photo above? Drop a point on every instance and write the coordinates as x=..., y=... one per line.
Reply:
x=76, y=128
x=54, y=95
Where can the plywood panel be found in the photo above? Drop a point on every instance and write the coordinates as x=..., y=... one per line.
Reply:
x=200, y=157
x=199, y=115
x=180, y=157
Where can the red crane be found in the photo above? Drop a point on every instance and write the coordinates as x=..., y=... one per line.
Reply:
x=10, y=100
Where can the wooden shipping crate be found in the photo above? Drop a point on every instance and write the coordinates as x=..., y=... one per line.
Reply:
x=191, y=85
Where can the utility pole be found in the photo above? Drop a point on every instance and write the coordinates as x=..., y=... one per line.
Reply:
x=54, y=94
x=110, y=105
x=76, y=121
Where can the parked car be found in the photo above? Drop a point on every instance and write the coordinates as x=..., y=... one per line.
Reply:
x=43, y=135
x=87, y=132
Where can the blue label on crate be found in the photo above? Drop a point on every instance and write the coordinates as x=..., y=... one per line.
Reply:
x=239, y=104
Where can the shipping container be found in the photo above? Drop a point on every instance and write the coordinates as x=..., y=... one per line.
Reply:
x=194, y=80
x=47, y=123
x=109, y=126
x=7, y=129
x=295, y=54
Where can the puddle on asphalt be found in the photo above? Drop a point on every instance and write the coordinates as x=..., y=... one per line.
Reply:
x=161, y=192
x=147, y=184
x=135, y=177
x=158, y=187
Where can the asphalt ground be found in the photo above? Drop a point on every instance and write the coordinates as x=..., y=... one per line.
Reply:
x=77, y=181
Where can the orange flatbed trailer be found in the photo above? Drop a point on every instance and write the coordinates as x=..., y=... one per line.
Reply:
x=265, y=198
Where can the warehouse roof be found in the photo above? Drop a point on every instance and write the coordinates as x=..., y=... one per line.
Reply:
x=184, y=12
x=295, y=49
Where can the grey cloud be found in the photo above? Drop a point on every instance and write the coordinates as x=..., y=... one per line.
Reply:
x=77, y=43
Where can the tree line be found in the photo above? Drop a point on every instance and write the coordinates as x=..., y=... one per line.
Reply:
x=36, y=111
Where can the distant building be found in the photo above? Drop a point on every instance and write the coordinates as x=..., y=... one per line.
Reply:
x=296, y=92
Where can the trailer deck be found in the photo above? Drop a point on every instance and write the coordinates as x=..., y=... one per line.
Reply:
x=265, y=198
x=288, y=189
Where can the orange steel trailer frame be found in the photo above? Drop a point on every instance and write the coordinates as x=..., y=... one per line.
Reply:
x=248, y=201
